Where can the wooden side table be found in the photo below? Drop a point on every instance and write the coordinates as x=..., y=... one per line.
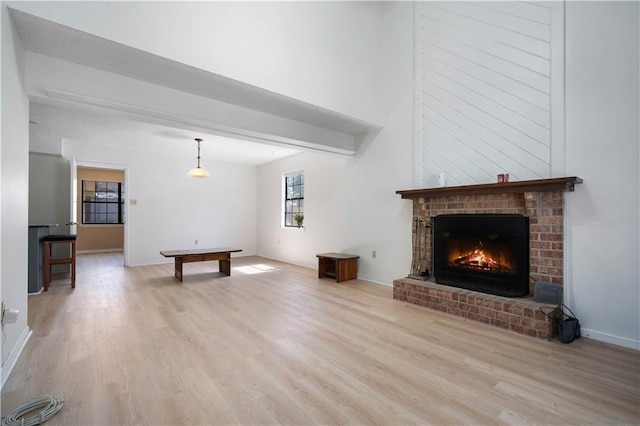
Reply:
x=341, y=266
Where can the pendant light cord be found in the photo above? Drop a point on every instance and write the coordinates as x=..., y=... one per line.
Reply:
x=199, y=140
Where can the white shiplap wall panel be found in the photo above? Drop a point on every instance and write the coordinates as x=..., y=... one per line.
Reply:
x=491, y=32
x=491, y=62
x=506, y=121
x=519, y=57
x=487, y=12
x=491, y=91
x=485, y=76
x=495, y=130
x=534, y=11
x=478, y=138
x=464, y=157
x=434, y=54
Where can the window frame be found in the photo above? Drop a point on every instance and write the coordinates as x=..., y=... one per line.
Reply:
x=297, y=202
x=119, y=202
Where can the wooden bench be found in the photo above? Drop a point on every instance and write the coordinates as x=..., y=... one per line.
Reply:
x=222, y=255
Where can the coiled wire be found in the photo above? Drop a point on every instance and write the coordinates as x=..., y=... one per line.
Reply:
x=49, y=406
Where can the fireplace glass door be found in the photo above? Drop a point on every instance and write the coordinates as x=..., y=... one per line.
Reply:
x=487, y=253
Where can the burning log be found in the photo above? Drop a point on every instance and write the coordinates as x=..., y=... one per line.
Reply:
x=477, y=259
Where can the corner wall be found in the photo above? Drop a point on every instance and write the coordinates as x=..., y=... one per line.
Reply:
x=14, y=158
x=172, y=211
x=350, y=202
x=602, y=147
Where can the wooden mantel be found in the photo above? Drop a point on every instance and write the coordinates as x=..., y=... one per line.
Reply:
x=537, y=185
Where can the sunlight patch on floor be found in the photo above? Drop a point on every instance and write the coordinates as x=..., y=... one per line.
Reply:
x=255, y=269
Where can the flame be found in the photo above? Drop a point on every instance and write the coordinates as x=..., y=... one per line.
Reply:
x=478, y=259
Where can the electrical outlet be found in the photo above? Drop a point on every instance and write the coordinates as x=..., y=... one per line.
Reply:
x=374, y=254
x=195, y=242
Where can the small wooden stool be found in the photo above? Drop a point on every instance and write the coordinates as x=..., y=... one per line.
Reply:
x=341, y=266
x=49, y=241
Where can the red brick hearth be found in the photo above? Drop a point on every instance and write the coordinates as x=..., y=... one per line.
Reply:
x=522, y=315
x=540, y=200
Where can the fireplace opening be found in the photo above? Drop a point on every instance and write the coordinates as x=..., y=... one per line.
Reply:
x=483, y=252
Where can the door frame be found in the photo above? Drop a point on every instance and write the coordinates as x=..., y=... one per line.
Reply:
x=74, y=164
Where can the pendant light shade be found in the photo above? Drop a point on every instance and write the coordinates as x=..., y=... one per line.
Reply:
x=198, y=172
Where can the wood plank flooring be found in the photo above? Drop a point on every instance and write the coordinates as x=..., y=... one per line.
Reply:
x=272, y=344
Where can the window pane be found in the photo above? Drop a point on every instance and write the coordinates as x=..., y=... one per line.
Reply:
x=86, y=210
x=294, y=194
x=103, y=202
x=112, y=187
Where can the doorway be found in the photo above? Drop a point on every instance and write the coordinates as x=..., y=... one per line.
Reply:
x=99, y=207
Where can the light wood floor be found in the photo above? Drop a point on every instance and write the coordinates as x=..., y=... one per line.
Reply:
x=272, y=344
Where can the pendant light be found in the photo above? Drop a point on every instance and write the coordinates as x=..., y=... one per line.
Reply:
x=198, y=172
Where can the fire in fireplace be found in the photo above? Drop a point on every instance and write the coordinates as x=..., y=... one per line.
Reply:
x=481, y=258
x=488, y=253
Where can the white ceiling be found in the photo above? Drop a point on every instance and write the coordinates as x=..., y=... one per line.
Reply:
x=55, y=123
x=86, y=123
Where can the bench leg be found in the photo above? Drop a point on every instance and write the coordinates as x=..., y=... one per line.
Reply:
x=224, y=266
x=178, y=268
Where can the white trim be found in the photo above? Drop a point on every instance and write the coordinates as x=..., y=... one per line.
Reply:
x=125, y=169
x=417, y=98
x=610, y=338
x=11, y=361
x=558, y=110
x=375, y=280
x=113, y=250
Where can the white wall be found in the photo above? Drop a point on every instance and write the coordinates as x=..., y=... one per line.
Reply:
x=350, y=203
x=602, y=138
x=172, y=210
x=14, y=182
x=279, y=46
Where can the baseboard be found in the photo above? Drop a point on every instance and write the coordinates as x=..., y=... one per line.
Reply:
x=610, y=338
x=363, y=277
x=11, y=361
x=375, y=280
x=114, y=250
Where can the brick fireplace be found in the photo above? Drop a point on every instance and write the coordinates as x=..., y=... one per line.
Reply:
x=542, y=201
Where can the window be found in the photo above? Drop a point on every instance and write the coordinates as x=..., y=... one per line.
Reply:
x=293, y=199
x=102, y=202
